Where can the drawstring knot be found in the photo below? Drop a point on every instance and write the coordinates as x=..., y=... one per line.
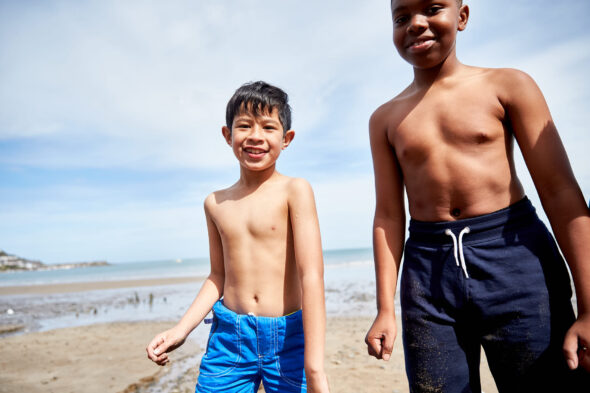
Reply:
x=458, y=245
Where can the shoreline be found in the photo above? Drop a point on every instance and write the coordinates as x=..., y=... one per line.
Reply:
x=50, y=289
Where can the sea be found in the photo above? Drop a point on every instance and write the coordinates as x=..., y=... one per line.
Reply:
x=349, y=277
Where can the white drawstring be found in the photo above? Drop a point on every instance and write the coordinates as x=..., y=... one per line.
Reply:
x=460, y=247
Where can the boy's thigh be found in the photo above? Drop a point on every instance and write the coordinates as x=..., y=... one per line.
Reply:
x=439, y=356
x=230, y=383
x=524, y=345
x=228, y=364
x=284, y=372
x=522, y=291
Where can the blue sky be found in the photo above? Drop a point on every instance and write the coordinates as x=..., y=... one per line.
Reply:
x=111, y=111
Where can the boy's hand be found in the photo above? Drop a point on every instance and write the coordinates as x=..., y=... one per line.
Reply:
x=576, y=346
x=381, y=336
x=157, y=350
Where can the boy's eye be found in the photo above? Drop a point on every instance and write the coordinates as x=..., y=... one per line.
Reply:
x=400, y=19
x=433, y=9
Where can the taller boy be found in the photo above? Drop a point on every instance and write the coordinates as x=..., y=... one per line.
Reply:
x=266, y=262
x=480, y=268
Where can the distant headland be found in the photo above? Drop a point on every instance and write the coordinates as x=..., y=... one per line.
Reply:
x=14, y=263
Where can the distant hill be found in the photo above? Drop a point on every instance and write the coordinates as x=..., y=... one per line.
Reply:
x=10, y=262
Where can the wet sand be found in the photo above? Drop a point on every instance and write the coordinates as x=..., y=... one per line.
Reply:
x=111, y=358
x=47, y=289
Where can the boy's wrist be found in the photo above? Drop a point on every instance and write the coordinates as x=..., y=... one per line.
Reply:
x=386, y=309
x=315, y=375
x=183, y=330
x=314, y=370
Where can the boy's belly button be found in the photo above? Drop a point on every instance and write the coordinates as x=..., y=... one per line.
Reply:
x=456, y=212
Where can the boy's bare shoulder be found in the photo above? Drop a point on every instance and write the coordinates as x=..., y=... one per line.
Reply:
x=504, y=74
x=508, y=81
x=298, y=186
x=299, y=193
x=292, y=185
x=386, y=114
x=210, y=202
x=386, y=108
x=216, y=197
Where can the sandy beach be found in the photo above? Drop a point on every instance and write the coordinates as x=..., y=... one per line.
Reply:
x=110, y=357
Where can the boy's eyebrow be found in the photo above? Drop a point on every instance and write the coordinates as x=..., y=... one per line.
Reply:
x=396, y=9
x=403, y=7
x=249, y=116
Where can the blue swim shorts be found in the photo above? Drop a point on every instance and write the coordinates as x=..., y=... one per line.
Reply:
x=496, y=281
x=244, y=350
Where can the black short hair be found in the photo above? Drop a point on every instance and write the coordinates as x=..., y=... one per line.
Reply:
x=259, y=97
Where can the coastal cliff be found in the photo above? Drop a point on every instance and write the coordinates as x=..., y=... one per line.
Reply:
x=13, y=263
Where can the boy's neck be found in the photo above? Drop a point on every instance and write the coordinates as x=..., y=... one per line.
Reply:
x=249, y=178
x=426, y=77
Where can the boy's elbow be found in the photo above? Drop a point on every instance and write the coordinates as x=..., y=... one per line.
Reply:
x=218, y=279
x=312, y=278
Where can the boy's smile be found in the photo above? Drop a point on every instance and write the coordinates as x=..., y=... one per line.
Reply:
x=257, y=140
x=424, y=31
x=420, y=45
x=255, y=152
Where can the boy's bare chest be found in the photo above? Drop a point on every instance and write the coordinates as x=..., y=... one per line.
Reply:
x=433, y=126
x=252, y=218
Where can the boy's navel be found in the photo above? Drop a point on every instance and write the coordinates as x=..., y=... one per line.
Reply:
x=456, y=212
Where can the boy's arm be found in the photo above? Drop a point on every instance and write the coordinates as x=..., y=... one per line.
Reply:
x=310, y=268
x=211, y=291
x=388, y=237
x=559, y=192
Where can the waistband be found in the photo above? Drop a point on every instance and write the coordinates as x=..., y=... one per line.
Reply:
x=487, y=226
x=224, y=314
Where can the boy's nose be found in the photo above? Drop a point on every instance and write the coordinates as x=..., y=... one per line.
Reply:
x=255, y=133
x=418, y=24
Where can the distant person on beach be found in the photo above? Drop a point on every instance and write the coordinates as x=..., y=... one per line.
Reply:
x=480, y=268
x=266, y=263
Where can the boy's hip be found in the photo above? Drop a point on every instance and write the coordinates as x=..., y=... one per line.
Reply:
x=498, y=224
x=243, y=347
x=263, y=335
x=482, y=260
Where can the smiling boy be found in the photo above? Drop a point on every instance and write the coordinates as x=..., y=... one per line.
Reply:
x=480, y=268
x=266, y=262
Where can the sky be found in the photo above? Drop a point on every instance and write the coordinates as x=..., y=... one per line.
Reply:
x=111, y=111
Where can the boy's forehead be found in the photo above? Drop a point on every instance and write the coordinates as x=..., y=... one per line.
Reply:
x=395, y=4
x=249, y=110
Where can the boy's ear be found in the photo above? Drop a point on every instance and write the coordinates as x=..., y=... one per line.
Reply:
x=287, y=138
x=226, y=134
x=463, y=17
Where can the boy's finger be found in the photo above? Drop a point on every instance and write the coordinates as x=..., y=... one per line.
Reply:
x=150, y=352
x=387, y=346
x=153, y=344
x=374, y=347
x=161, y=347
x=570, y=350
x=161, y=360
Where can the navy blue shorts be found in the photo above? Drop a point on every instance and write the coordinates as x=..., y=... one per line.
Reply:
x=496, y=281
x=244, y=350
